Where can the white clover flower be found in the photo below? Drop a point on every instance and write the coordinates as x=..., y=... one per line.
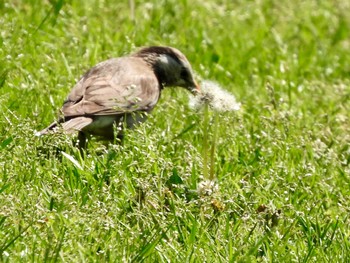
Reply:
x=213, y=95
x=207, y=188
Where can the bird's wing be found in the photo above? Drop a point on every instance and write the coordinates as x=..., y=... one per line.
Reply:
x=112, y=87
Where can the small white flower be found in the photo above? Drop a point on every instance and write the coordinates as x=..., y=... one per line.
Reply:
x=24, y=253
x=217, y=98
x=207, y=188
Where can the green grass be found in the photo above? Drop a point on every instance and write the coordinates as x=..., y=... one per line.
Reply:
x=281, y=163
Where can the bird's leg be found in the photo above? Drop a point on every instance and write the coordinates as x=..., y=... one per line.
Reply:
x=120, y=138
x=82, y=142
x=118, y=133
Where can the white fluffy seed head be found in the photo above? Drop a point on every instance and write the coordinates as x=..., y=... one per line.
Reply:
x=215, y=97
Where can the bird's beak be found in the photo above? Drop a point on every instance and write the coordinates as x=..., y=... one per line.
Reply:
x=195, y=89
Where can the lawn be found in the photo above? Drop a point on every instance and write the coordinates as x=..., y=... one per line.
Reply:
x=267, y=183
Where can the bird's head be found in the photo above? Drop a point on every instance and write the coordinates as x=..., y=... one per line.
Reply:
x=170, y=66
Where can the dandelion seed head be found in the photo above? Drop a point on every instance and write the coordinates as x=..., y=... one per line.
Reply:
x=215, y=97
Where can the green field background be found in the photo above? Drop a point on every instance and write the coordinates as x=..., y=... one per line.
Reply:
x=280, y=188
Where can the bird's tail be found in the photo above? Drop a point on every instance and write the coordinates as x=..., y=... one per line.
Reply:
x=69, y=126
x=51, y=127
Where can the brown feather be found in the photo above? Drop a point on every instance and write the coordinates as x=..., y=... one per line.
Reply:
x=76, y=124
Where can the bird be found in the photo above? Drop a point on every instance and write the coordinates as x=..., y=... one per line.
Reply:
x=121, y=90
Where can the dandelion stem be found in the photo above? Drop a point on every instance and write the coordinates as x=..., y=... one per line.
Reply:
x=205, y=141
x=213, y=147
x=132, y=10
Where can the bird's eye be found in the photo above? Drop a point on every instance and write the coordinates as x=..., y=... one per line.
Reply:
x=184, y=73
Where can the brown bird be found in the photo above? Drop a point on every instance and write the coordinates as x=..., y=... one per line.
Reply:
x=121, y=90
